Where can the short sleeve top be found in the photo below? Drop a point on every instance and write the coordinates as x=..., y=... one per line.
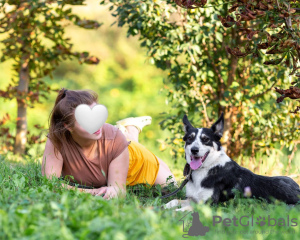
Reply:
x=94, y=172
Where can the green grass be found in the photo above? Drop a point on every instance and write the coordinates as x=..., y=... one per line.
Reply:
x=33, y=207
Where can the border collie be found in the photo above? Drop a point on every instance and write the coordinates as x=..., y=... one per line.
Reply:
x=214, y=175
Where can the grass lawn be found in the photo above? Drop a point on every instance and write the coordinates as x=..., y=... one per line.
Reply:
x=32, y=207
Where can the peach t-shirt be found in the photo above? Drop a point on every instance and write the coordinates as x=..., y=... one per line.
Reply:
x=94, y=172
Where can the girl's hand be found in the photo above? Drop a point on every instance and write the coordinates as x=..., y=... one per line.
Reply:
x=92, y=191
x=109, y=192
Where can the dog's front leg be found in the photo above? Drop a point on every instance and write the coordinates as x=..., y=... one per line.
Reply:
x=185, y=207
x=173, y=203
x=176, y=202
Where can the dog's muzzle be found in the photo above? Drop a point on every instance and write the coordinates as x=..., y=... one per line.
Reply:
x=197, y=162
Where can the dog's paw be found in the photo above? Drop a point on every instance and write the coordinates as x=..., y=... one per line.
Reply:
x=186, y=208
x=172, y=204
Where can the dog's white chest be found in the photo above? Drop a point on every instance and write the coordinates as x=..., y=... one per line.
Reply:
x=194, y=189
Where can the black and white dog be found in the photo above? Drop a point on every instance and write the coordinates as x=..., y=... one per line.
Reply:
x=214, y=175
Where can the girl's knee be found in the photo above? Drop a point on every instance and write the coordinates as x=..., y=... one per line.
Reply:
x=164, y=173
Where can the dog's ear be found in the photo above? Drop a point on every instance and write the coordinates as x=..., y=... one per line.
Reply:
x=218, y=126
x=187, y=124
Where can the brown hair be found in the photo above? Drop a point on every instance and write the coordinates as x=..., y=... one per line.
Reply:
x=63, y=113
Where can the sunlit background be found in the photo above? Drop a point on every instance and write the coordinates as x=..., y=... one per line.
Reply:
x=127, y=84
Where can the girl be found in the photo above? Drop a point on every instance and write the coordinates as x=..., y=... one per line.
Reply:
x=106, y=160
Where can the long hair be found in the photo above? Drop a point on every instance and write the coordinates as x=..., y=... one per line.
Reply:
x=62, y=115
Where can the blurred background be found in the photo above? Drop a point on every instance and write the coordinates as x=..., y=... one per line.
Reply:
x=127, y=84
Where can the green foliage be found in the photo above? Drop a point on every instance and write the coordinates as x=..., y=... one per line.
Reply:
x=203, y=80
x=265, y=27
x=34, y=38
x=268, y=27
x=32, y=207
x=126, y=84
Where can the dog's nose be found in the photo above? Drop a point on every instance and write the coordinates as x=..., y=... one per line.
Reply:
x=194, y=150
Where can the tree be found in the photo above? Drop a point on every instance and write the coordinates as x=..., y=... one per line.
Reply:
x=34, y=38
x=268, y=27
x=204, y=80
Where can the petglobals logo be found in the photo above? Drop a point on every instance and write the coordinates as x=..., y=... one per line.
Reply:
x=251, y=221
x=194, y=226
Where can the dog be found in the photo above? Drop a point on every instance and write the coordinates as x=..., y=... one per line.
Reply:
x=216, y=177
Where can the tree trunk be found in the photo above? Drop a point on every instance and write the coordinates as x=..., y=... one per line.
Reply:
x=226, y=133
x=229, y=113
x=22, y=90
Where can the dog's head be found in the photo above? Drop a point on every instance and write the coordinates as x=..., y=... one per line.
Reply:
x=202, y=143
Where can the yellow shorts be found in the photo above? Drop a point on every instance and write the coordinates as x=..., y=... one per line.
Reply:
x=143, y=165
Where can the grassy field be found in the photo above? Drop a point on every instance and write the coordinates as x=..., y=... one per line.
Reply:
x=33, y=207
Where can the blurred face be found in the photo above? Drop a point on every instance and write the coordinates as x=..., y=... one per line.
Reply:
x=79, y=133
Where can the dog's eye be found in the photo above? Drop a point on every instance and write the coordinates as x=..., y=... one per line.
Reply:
x=190, y=137
x=204, y=139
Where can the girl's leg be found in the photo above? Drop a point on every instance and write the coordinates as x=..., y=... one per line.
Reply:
x=132, y=133
x=131, y=127
x=164, y=172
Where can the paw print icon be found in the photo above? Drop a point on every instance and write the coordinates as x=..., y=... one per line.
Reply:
x=260, y=221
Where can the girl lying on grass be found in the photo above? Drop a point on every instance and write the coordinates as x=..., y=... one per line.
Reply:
x=106, y=160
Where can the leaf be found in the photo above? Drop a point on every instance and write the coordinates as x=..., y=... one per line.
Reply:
x=223, y=103
x=219, y=36
x=227, y=22
x=264, y=45
x=236, y=52
x=274, y=50
x=151, y=60
x=92, y=60
x=274, y=61
x=234, y=85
